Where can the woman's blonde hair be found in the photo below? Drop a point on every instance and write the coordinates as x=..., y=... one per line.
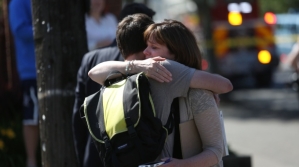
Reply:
x=179, y=40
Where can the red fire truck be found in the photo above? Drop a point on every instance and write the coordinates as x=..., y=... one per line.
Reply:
x=243, y=43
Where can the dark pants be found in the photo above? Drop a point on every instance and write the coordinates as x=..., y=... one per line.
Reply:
x=86, y=151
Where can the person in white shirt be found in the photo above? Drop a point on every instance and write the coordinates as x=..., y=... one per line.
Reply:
x=100, y=25
x=293, y=57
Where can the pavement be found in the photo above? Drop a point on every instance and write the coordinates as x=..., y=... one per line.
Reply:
x=263, y=124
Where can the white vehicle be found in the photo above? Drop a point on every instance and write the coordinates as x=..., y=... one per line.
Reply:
x=286, y=32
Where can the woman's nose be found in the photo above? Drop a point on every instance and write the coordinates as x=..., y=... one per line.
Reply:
x=145, y=52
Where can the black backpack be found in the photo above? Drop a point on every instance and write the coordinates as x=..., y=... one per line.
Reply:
x=121, y=119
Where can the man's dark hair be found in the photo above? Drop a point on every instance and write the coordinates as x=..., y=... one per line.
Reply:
x=133, y=8
x=129, y=34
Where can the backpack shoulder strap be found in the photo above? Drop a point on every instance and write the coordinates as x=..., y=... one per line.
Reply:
x=113, y=77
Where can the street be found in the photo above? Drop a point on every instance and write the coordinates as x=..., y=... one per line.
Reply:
x=263, y=124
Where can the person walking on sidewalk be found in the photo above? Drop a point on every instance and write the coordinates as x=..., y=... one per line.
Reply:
x=20, y=18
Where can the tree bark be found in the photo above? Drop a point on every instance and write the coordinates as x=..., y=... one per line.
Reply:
x=8, y=47
x=60, y=43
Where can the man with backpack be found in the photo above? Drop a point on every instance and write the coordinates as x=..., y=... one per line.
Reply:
x=133, y=149
x=87, y=154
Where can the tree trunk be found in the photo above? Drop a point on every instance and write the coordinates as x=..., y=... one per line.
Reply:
x=60, y=43
x=9, y=48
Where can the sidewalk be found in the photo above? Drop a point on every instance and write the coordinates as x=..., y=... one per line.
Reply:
x=270, y=143
x=263, y=124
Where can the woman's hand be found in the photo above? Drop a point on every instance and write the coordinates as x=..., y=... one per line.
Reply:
x=153, y=69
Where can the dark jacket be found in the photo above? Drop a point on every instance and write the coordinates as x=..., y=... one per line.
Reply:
x=86, y=152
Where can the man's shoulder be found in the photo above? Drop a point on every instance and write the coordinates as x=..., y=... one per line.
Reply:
x=107, y=52
x=168, y=62
x=174, y=65
x=103, y=54
x=179, y=71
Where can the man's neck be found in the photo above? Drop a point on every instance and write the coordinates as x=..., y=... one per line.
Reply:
x=135, y=56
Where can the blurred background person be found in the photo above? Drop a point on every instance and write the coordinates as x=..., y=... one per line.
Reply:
x=20, y=18
x=292, y=63
x=293, y=56
x=100, y=25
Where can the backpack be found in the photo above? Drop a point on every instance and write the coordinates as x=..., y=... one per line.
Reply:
x=122, y=121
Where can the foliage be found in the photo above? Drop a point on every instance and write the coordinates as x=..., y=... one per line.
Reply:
x=12, y=152
x=277, y=6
